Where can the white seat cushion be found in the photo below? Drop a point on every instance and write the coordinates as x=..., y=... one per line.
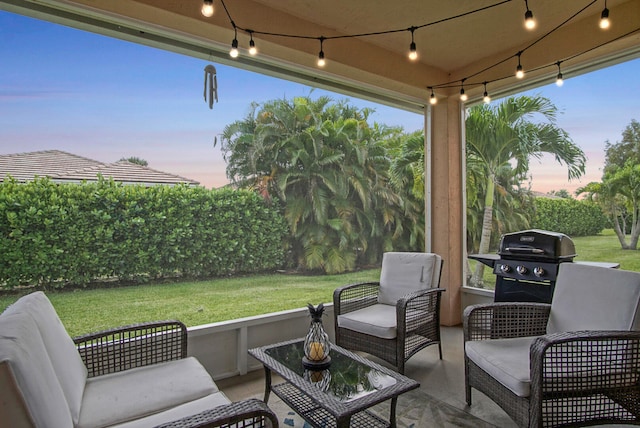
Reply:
x=21, y=346
x=404, y=273
x=188, y=409
x=65, y=359
x=125, y=396
x=594, y=298
x=376, y=320
x=506, y=360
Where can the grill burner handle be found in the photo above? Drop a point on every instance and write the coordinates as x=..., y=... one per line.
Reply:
x=528, y=250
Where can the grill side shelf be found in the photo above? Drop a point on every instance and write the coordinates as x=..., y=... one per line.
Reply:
x=486, y=259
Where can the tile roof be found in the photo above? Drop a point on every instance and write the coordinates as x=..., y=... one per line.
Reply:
x=63, y=167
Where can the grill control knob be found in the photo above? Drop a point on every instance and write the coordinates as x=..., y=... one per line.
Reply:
x=522, y=270
x=505, y=268
x=538, y=271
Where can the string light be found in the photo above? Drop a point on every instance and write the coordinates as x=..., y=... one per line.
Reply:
x=559, y=79
x=529, y=22
x=233, y=53
x=252, y=45
x=413, y=53
x=321, y=60
x=604, y=17
x=485, y=97
x=207, y=8
x=463, y=96
x=432, y=99
x=519, y=70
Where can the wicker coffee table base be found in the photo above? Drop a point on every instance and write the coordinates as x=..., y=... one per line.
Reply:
x=318, y=417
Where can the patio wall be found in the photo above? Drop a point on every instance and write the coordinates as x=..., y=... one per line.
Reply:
x=222, y=347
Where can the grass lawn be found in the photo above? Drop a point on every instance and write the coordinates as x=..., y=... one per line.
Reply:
x=606, y=248
x=203, y=302
x=193, y=303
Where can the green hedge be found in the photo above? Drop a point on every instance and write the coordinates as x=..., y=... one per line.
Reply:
x=58, y=234
x=569, y=216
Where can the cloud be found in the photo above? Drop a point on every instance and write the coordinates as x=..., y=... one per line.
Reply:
x=8, y=94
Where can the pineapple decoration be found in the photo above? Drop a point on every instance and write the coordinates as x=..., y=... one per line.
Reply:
x=316, y=343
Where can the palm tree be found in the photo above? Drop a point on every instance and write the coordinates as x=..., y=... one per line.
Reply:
x=328, y=166
x=507, y=135
x=408, y=180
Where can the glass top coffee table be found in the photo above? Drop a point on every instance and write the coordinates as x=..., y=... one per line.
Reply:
x=338, y=396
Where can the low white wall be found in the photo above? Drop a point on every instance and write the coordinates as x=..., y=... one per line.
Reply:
x=474, y=296
x=222, y=347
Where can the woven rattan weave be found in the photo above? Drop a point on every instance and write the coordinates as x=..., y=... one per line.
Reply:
x=415, y=331
x=577, y=378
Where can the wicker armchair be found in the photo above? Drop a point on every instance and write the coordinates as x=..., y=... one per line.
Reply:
x=574, y=362
x=397, y=316
x=139, y=345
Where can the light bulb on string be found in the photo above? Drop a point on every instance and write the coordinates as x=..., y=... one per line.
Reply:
x=559, y=79
x=233, y=53
x=485, y=97
x=463, y=96
x=432, y=98
x=252, y=45
x=529, y=22
x=413, y=53
x=321, y=60
x=207, y=8
x=604, y=17
x=519, y=70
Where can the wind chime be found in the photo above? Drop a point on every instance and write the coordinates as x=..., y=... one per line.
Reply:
x=210, y=85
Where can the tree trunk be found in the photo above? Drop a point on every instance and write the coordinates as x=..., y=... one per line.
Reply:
x=635, y=227
x=619, y=230
x=487, y=226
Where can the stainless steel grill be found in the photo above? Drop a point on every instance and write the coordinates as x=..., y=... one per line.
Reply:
x=526, y=265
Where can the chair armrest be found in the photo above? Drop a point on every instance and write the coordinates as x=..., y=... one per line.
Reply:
x=594, y=352
x=569, y=366
x=352, y=297
x=132, y=346
x=252, y=412
x=411, y=309
x=505, y=320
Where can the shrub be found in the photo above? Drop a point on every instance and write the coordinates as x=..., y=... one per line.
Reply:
x=58, y=234
x=569, y=216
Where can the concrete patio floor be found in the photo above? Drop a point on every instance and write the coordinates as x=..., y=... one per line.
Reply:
x=441, y=379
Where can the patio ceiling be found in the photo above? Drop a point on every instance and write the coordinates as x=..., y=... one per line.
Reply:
x=474, y=40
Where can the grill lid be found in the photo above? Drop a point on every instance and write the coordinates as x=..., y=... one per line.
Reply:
x=537, y=244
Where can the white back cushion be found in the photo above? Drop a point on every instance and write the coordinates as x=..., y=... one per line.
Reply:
x=65, y=359
x=594, y=298
x=403, y=273
x=131, y=394
x=21, y=346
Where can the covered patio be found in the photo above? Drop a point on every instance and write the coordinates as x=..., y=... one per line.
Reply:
x=474, y=47
x=465, y=46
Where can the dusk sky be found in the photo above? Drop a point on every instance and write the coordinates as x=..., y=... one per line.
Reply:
x=105, y=99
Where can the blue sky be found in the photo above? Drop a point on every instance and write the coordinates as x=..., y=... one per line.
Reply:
x=106, y=99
